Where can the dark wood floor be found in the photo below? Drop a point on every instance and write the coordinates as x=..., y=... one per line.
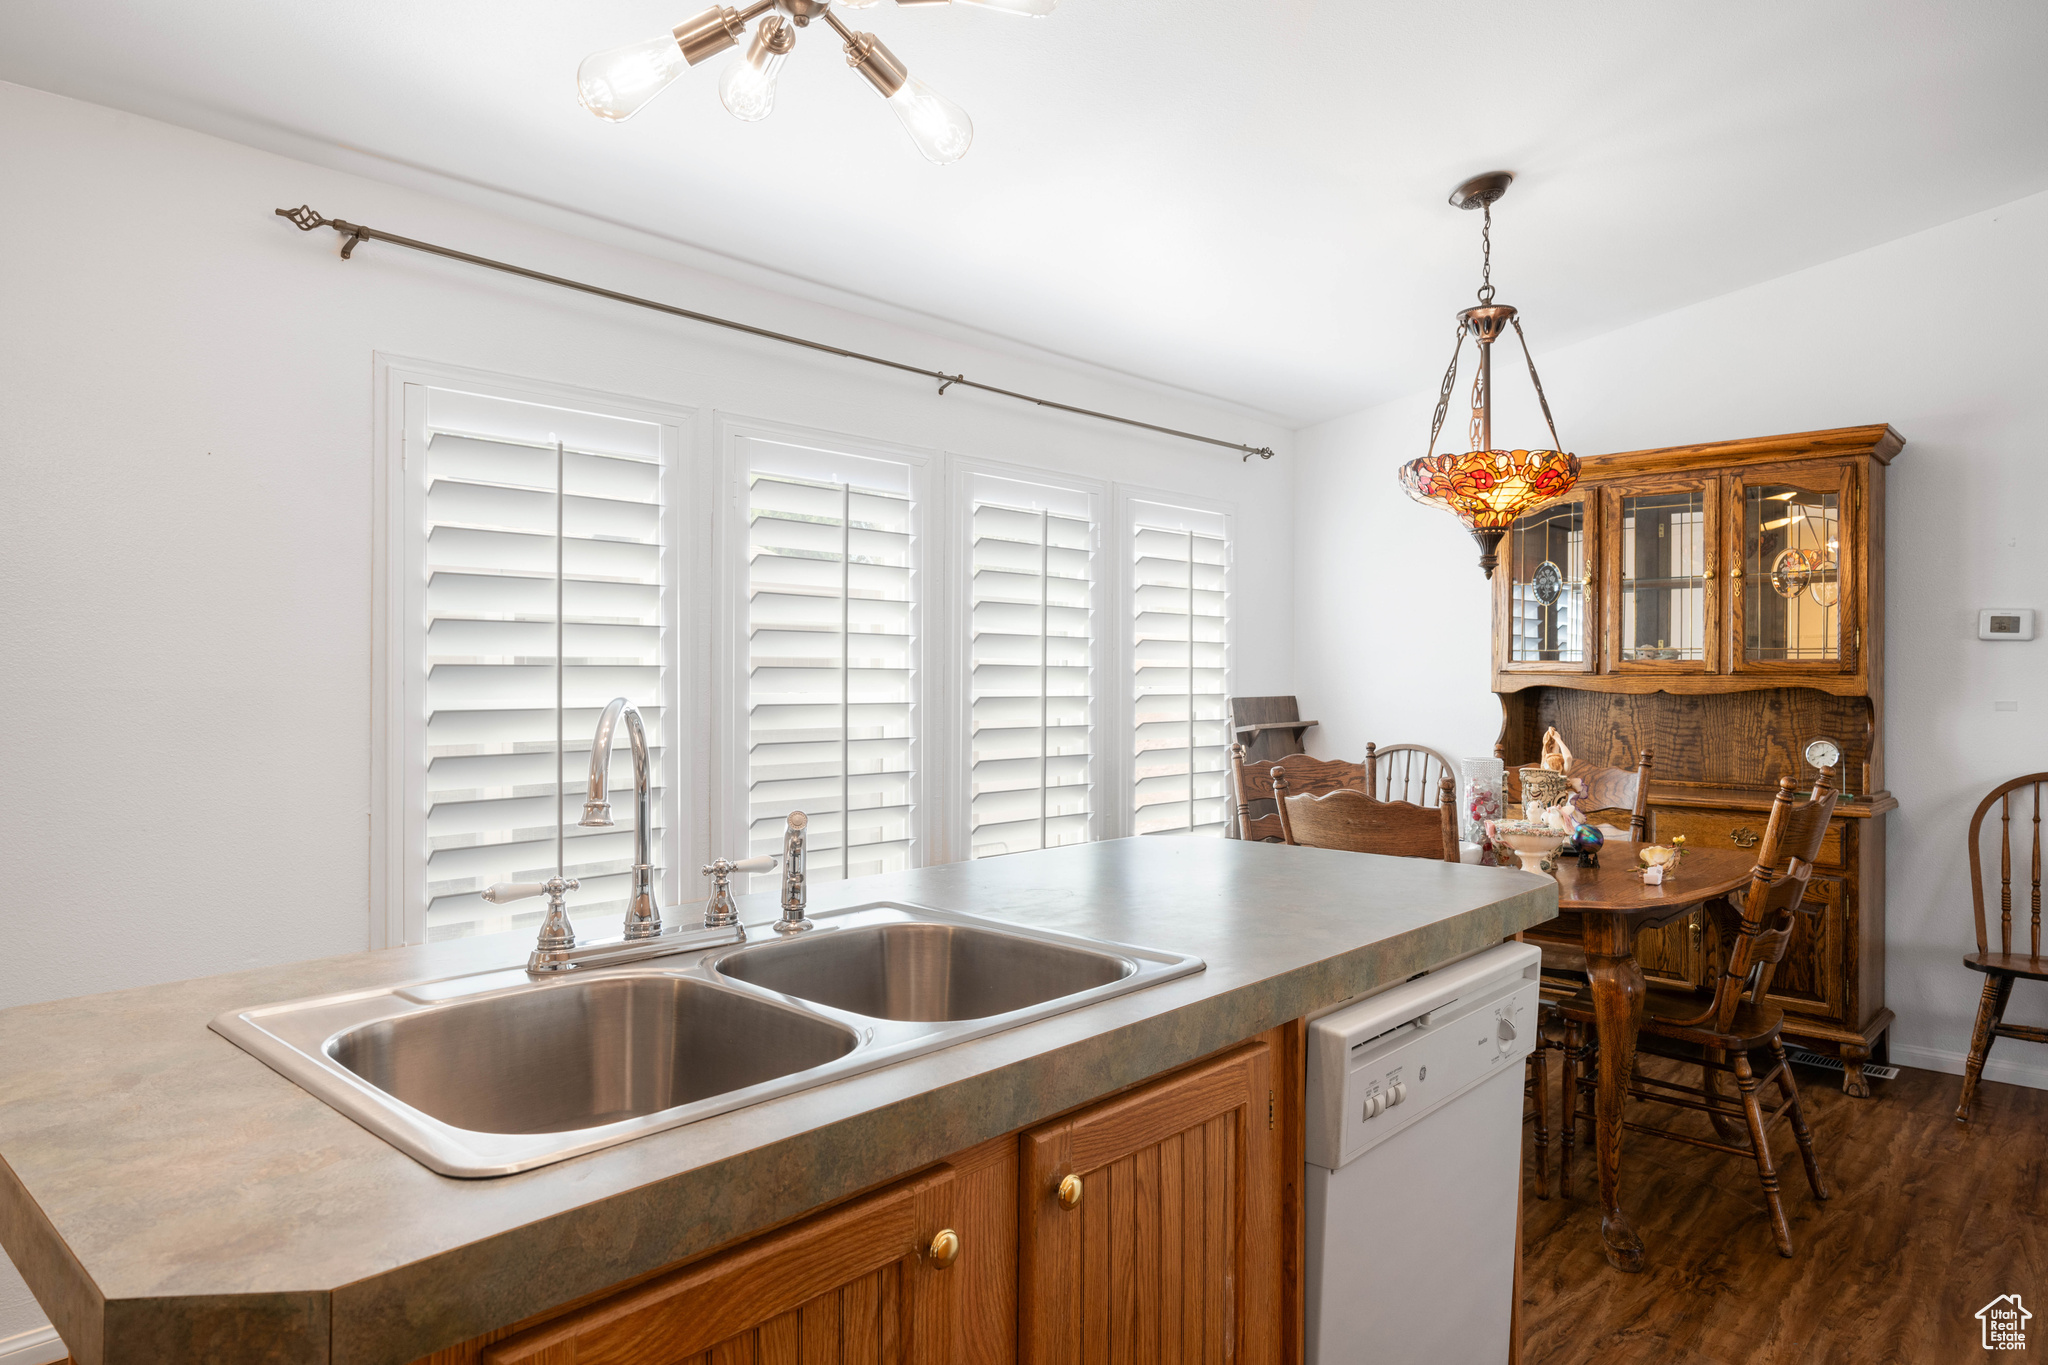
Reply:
x=1928, y=1223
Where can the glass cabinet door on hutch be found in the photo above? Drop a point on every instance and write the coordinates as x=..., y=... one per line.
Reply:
x=1548, y=593
x=1662, y=595
x=1793, y=581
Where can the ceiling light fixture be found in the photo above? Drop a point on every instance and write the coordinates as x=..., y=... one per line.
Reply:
x=618, y=83
x=1487, y=488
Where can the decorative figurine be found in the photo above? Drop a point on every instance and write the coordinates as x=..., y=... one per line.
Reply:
x=1660, y=861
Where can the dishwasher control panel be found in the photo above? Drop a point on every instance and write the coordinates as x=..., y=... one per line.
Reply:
x=1382, y=1064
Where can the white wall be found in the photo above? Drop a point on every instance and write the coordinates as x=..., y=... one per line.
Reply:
x=1932, y=333
x=185, y=577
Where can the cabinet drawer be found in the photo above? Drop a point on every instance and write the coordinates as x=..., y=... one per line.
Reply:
x=1739, y=829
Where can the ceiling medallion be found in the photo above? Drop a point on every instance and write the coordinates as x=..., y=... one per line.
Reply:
x=617, y=84
x=1487, y=488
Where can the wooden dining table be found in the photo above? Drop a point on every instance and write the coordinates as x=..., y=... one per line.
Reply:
x=1612, y=905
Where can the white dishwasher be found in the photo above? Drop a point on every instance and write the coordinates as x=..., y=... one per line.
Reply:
x=1414, y=1165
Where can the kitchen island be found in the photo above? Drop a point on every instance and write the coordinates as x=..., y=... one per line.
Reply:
x=170, y=1198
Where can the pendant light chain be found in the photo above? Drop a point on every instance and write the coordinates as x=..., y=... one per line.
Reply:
x=1486, y=258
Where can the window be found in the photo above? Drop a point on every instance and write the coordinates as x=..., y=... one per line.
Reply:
x=1179, y=563
x=831, y=655
x=479, y=488
x=1030, y=663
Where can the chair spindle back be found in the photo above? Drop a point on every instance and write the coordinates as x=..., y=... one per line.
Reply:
x=1407, y=772
x=2002, y=797
x=1777, y=884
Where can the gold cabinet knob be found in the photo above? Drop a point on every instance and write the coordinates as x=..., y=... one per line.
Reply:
x=1070, y=1192
x=1743, y=838
x=945, y=1249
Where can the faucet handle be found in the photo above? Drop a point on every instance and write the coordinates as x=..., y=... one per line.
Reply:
x=557, y=936
x=503, y=893
x=719, y=911
x=721, y=868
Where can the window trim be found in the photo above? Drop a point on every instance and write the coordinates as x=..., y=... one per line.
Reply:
x=958, y=648
x=397, y=786
x=1126, y=494
x=730, y=822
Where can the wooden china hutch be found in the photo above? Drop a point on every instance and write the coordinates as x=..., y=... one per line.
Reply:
x=1721, y=606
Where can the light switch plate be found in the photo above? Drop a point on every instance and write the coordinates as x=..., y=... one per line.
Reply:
x=2005, y=623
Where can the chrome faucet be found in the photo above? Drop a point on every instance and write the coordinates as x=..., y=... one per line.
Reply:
x=556, y=949
x=643, y=916
x=794, y=891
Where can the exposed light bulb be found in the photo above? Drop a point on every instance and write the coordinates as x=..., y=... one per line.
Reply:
x=747, y=89
x=618, y=83
x=939, y=127
x=1034, y=9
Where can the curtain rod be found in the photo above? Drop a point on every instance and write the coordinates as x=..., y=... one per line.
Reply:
x=305, y=219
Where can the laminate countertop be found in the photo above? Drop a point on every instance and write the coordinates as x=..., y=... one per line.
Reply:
x=170, y=1198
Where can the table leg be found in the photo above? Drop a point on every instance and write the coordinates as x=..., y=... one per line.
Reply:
x=1617, y=988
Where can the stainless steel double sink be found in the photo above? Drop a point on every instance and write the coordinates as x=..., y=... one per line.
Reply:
x=497, y=1072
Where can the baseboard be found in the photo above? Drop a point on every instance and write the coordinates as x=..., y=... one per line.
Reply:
x=38, y=1347
x=1996, y=1067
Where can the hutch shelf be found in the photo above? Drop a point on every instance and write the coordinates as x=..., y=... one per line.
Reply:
x=1721, y=606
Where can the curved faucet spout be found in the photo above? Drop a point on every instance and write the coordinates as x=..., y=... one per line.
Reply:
x=643, y=916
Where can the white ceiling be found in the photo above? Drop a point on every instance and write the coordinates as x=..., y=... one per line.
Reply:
x=1244, y=200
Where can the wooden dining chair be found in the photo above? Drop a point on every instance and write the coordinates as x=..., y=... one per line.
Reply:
x=1406, y=772
x=1721, y=1038
x=2005, y=966
x=1253, y=780
x=1359, y=822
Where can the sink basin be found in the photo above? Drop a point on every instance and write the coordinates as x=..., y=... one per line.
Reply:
x=924, y=972
x=499, y=1071
x=583, y=1054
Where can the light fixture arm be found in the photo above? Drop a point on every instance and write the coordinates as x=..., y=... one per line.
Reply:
x=871, y=57
x=1443, y=397
x=1555, y=444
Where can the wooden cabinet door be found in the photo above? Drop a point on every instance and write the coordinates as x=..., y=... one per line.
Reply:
x=1796, y=562
x=1660, y=589
x=1809, y=980
x=1169, y=1255
x=1672, y=954
x=856, y=1284
x=1545, y=619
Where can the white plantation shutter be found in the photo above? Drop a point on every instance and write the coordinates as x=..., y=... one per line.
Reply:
x=1031, y=665
x=831, y=639
x=1179, y=620
x=488, y=625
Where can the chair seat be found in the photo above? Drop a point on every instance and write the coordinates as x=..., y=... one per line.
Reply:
x=2009, y=964
x=1752, y=1027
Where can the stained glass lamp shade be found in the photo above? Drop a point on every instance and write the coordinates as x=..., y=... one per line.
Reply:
x=1488, y=489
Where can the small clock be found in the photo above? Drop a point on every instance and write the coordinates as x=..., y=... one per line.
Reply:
x=1823, y=753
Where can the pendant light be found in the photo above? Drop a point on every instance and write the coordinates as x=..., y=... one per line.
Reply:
x=619, y=82
x=1484, y=487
